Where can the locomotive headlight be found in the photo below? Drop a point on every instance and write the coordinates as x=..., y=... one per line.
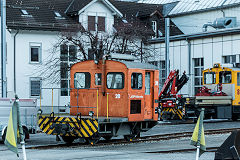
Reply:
x=91, y=113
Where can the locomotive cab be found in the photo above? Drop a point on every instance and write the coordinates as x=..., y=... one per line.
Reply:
x=108, y=98
x=121, y=96
x=114, y=90
x=221, y=94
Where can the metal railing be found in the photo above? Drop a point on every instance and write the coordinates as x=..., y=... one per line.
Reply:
x=71, y=90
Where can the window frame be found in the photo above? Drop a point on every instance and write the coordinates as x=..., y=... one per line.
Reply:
x=97, y=80
x=35, y=45
x=213, y=78
x=154, y=28
x=85, y=80
x=67, y=58
x=238, y=78
x=137, y=73
x=198, y=64
x=30, y=86
x=123, y=79
x=220, y=78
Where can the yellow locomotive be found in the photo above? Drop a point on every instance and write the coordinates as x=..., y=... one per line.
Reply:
x=220, y=94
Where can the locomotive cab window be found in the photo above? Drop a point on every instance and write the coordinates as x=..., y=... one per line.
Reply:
x=98, y=79
x=209, y=78
x=238, y=78
x=225, y=77
x=82, y=80
x=136, y=81
x=115, y=80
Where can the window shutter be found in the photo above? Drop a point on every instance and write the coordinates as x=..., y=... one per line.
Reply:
x=91, y=23
x=101, y=24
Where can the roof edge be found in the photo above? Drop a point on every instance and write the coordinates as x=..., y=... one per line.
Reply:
x=107, y=3
x=197, y=35
x=204, y=10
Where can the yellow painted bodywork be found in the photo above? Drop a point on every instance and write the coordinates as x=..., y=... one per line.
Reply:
x=217, y=69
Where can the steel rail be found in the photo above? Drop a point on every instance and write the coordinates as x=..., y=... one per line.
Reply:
x=141, y=140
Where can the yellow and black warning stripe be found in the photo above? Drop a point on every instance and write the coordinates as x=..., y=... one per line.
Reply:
x=172, y=110
x=68, y=126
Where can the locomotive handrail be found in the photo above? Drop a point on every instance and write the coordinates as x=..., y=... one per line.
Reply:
x=70, y=89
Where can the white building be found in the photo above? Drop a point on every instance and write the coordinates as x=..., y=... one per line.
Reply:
x=33, y=30
x=201, y=45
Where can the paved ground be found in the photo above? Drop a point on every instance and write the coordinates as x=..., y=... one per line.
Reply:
x=139, y=151
x=134, y=151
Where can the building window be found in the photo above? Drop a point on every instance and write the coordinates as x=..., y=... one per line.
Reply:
x=57, y=14
x=101, y=24
x=25, y=13
x=96, y=23
x=198, y=68
x=35, y=52
x=68, y=55
x=35, y=87
x=154, y=28
x=229, y=59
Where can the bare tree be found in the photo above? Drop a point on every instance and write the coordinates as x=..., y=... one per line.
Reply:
x=127, y=38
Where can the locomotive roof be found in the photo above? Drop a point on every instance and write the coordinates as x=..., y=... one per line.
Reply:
x=139, y=65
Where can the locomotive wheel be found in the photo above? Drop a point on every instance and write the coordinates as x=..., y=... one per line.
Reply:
x=94, y=139
x=68, y=139
x=129, y=137
x=107, y=138
x=234, y=117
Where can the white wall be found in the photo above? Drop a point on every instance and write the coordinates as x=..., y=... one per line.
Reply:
x=212, y=49
x=25, y=69
x=97, y=9
x=192, y=23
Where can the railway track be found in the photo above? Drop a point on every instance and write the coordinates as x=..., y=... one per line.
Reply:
x=141, y=140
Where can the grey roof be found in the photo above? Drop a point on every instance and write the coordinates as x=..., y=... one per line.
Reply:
x=157, y=1
x=139, y=65
x=189, y=6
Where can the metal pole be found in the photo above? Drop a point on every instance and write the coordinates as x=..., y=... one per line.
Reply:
x=167, y=34
x=77, y=101
x=189, y=68
x=23, y=150
x=40, y=98
x=97, y=103
x=3, y=48
x=52, y=99
x=197, y=155
x=107, y=106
